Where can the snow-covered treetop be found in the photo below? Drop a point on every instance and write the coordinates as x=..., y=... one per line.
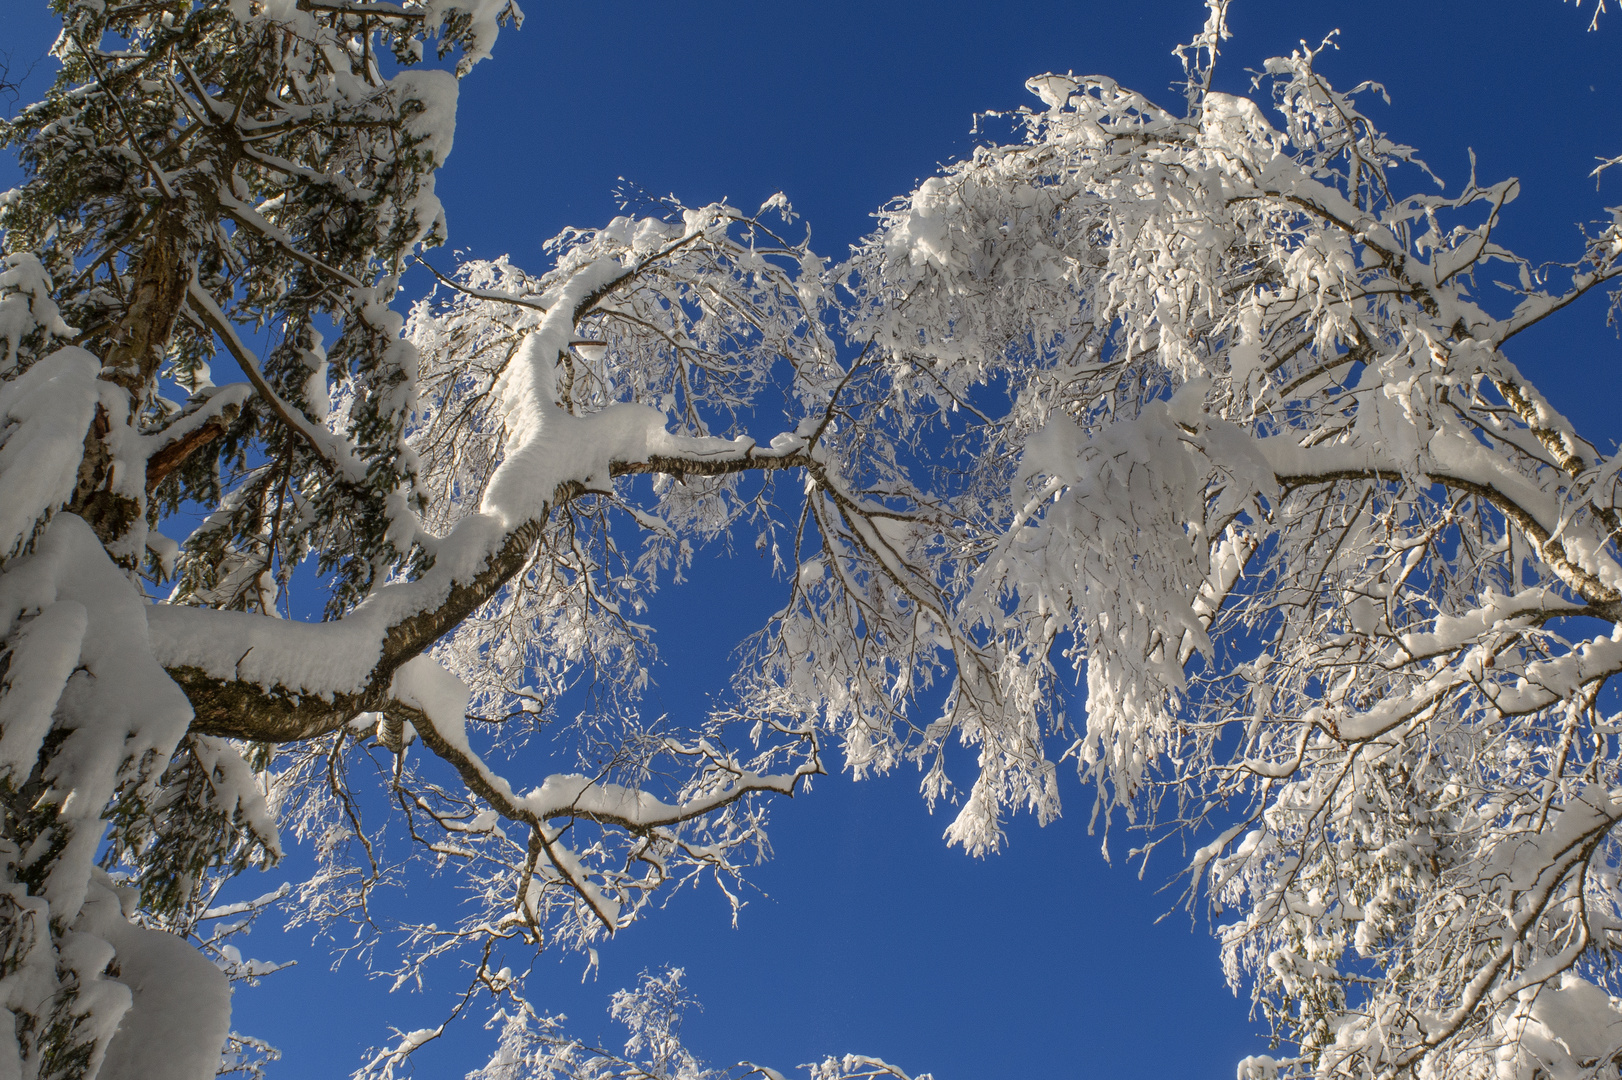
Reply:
x=1212, y=406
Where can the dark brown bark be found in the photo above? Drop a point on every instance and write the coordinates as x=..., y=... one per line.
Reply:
x=171, y=456
x=108, y=513
x=131, y=360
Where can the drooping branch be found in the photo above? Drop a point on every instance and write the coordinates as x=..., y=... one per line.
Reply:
x=632, y=812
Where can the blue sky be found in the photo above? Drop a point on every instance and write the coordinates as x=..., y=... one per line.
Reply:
x=871, y=936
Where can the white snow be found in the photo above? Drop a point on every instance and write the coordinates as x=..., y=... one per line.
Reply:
x=44, y=414
x=1564, y=1028
x=180, y=1003
x=26, y=304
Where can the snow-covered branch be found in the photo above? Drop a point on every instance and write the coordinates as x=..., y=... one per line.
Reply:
x=1198, y=407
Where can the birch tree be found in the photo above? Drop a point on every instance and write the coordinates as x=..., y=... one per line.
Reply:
x=1340, y=580
x=1212, y=406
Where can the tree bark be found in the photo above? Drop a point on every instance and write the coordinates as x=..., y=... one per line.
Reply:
x=237, y=708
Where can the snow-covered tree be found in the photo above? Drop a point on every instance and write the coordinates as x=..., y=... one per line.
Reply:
x=1342, y=582
x=1213, y=406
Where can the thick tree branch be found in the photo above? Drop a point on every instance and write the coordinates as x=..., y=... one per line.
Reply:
x=170, y=457
x=1601, y=598
x=245, y=709
x=355, y=7
x=190, y=432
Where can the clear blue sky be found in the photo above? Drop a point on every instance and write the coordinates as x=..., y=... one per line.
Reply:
x=874, y=938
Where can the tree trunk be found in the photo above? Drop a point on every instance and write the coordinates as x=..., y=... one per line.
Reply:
x=132, y=357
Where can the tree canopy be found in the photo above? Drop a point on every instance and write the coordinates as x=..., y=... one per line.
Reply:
x=1212, y=407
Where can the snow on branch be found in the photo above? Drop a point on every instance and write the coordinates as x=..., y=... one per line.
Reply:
x=1205, y=410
